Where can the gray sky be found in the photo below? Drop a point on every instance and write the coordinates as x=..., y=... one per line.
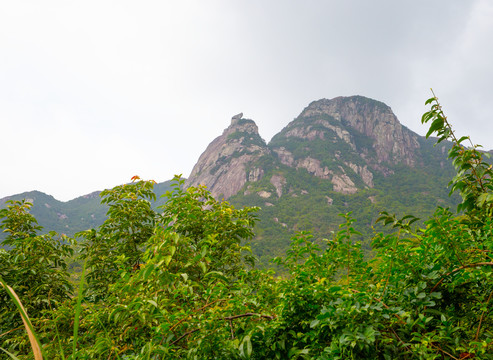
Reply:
x=95, y=92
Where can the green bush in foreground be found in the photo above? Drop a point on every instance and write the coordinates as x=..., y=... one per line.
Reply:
x=182, y=284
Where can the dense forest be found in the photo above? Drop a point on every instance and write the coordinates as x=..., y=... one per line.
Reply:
x=181, y=282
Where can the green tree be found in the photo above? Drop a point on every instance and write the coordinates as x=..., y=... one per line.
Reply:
x=426, y=293
x=119, y=242
x=195, y=293
x=35, y=267
x=181, y=284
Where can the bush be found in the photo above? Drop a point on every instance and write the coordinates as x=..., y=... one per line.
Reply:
x=182, y=283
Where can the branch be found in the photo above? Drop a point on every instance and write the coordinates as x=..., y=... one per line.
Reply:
x=459, y=269
x=5, y=333
x=178, y=323
x=402, y=342
x=209, y=304
x=381, y=302
x=232, y=329
x=229, y=318
x=474, y=161
x=444, y=352
x=246, y=315
x=482, y=316
x=195, y=310
x=186, y=334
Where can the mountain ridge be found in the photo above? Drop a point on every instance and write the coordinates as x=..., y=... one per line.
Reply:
x=347, y=154
x=69, y=217
x=342, y=120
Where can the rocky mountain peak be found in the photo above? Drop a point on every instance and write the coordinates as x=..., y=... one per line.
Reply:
x=345, y=141
x=242, y=126
x=392, y=142
x=224, y=167
x=235, y=119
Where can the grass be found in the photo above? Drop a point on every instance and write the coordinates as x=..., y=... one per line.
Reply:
x=77, y=311
x=33, y=338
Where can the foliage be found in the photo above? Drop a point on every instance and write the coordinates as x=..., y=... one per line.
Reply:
x=244, y=137
x=426, y=293
x=73, y=216
x=474, y=176
x=182, y=283
x=119, y=241
x=35, y=345
x=33, y=266
x=193, y=285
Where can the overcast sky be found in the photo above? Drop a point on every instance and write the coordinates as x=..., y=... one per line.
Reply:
x=95, y=92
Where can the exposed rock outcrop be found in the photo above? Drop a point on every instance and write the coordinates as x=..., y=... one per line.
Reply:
x=313, y=167
x=366, y=175
x=278, y=181
x=264, y=194
x=255, y=174
x=345, y=140
x=393, y=142
x=224, y=167
x=343, y=184
x=285, y=157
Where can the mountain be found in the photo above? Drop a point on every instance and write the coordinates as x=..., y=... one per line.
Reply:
x=344, y=140
x=224, y=166
x=82, y=213
x=339, y=155
x=347, y=154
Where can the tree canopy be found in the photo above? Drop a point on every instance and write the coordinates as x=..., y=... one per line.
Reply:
x=181, y=282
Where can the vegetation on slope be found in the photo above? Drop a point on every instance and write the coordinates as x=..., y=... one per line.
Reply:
x=70, y=217
x=181, y=284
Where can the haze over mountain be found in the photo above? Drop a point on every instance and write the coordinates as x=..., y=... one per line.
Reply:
x=68, y=217
x=321, y=140
x=339, y=155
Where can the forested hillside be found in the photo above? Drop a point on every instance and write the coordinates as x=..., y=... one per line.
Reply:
x=82, y=213
x=347, y=154
x=180, y=283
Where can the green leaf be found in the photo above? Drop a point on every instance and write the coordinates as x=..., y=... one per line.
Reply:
x=314, y=323
x=148, y=271
x=427, y=116
x=430, y=100
x=152, y=302
x=435, y=125
x=249, y=345
x=172, y=250
x=9, y=354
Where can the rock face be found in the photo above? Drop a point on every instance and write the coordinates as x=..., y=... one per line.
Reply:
x=313, y=167
x=225, y=166
x=278, y=181
x=374, y=119
x=346, y=141
x=345, y=155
